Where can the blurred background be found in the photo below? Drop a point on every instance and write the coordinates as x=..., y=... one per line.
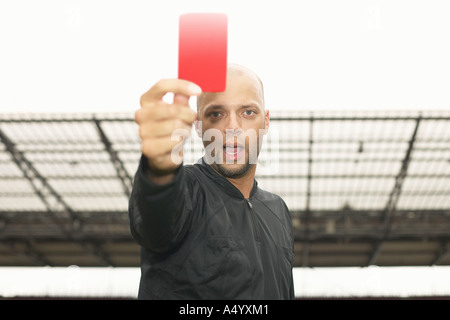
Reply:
x=359, y=143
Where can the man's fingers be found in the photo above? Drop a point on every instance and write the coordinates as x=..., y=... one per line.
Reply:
x=154, y=148
x=181, y=99
x=164, y=111
x=166, y=163
x=164, y=128
x=177, y=86
x=174, y=111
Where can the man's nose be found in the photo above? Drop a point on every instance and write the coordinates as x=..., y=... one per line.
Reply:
x=233, y=124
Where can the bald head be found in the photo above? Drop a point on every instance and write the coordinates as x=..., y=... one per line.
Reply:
x=236, y=71
x=239, y=70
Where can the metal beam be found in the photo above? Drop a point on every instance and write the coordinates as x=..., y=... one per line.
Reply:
x=353, y=118
x=305, y=251
x=443, y=251
x=72, y=118
x=122, y=174
x=287, y=177
x=25, y=248
x=394, y=196
x=95, y=249
x=40, y=185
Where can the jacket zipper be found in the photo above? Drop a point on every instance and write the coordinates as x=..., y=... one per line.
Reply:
x=253, y=218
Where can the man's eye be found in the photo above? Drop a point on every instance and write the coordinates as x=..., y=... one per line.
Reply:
x=249, y=112
x=215, y=114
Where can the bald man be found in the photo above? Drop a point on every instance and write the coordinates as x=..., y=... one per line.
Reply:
x=207, y=231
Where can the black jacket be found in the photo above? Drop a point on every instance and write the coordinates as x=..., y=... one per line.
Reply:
x=201, y=239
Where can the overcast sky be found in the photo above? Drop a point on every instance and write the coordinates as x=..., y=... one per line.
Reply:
x=100, y=56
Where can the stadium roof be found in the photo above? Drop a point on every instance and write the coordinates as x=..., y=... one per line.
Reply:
x=364, y=188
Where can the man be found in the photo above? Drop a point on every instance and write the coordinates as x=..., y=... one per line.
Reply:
x=207, y=231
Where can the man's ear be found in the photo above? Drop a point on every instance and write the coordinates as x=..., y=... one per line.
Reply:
x=266, y=121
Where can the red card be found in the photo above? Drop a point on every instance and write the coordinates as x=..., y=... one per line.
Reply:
x=202, y=50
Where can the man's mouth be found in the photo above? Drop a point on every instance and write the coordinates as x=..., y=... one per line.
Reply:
x=232, y=152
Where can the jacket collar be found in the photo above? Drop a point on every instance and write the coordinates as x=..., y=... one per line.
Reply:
x=224, y=183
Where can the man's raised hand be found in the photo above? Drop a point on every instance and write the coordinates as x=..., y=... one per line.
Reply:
x=158, y=120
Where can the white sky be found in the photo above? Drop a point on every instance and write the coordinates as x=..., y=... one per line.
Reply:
x=100, y=56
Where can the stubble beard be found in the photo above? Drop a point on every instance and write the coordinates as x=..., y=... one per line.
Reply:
x=233, y=171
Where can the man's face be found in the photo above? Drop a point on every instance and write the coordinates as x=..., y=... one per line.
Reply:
x=238, y=115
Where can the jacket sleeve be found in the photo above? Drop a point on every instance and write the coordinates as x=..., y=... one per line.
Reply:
x=291, y=237
x=160, y=215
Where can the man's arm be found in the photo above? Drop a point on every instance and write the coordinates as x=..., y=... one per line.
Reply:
x=159, y=214
x=159, y=205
